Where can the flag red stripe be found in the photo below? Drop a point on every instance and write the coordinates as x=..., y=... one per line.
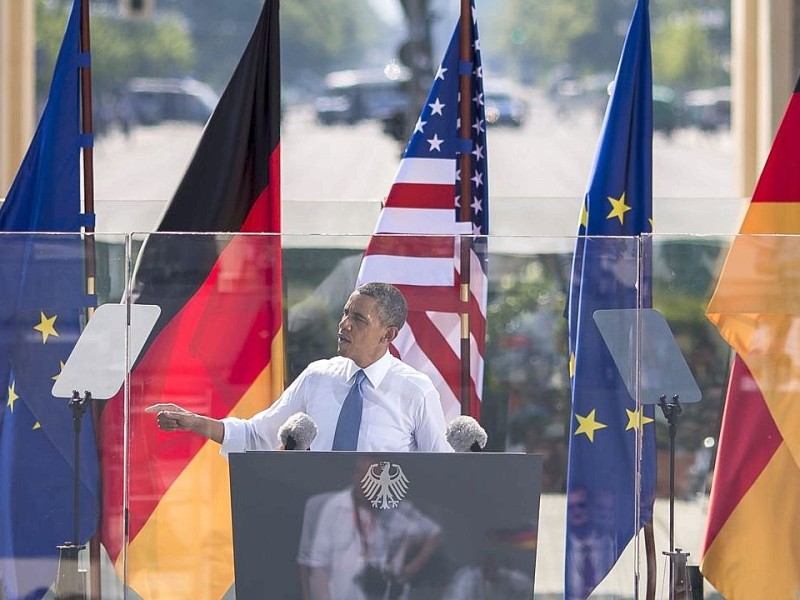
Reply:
x=221, y=308
x=442, y=298
x=432, y=343
x=411, y=246
x=446, y=299
x=777, y=183
x=422, y=195
x=265, y=215
x=204, y=359
x=749, y=439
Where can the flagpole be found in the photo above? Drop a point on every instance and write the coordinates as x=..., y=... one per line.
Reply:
x=89, y=257
x=465, y=87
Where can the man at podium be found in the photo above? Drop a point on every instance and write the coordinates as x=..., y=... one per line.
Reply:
x=364, y=399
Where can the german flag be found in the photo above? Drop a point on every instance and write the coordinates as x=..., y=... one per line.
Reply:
x=217, y=348
x=750, y=548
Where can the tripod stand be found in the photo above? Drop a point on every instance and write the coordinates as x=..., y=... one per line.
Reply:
x=111, y=340
x=649, y=360
x=679, y=582
x=70, y=581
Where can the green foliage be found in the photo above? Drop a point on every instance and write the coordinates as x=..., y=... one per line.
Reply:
x=526, y=365
x=583, y=33
x=691, y=41
x=121, y=48
x=317, y=37
x=125, y=49
x=682, y=54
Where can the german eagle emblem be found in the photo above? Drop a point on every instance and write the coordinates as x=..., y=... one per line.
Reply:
x=384, y=485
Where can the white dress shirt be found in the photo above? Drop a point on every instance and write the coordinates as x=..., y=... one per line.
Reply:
x=402, y=411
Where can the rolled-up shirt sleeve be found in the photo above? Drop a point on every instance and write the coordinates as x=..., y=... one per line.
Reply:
x=260, y=432
x=431, y=426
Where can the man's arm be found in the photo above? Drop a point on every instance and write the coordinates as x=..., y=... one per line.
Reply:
x=430, y=427
x=171, y=417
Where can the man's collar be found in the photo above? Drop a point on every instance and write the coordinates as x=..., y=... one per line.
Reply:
x=374, y=372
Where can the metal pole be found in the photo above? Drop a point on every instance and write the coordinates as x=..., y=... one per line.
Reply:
x=87, y=128
x=465, y=86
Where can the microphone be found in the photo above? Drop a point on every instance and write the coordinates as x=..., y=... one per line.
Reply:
x=297, y=432
x=465, y=434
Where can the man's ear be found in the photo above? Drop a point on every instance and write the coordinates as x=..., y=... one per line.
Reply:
x=391, y=334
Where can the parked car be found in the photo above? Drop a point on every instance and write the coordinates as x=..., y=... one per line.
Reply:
x=502, y=108
x=666, y=110
x=359, y=95
x=708, y=109
x=155, y=100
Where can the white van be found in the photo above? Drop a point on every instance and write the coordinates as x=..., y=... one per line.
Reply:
x=155, y=100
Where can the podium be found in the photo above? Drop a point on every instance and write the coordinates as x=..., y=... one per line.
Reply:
x=383, y=525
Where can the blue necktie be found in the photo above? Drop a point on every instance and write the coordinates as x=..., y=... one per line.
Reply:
x=346, y=436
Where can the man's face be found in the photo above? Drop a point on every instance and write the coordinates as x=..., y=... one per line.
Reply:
x=362, y=337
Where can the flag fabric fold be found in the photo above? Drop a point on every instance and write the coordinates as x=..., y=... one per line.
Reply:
x=611, y=437
x=42, y=303
x=416, y=244
x=752, y=525
x=216, y=349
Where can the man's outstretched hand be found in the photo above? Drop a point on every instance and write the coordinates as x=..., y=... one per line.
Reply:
x=171, y=417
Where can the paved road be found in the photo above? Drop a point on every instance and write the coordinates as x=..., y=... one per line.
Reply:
x=540, y=169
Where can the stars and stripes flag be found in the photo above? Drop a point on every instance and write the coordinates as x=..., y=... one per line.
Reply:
x=417, y=243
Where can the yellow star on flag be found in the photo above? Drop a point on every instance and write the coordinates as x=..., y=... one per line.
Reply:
x=571, y=365
x=636, y=419
x=618, y=208
x=60, y=368
x=47, y=326
x=36, y=426
x=588, y=425
x=584, y=218
x=12, y=396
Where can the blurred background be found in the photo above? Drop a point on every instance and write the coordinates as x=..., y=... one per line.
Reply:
x=354, y=76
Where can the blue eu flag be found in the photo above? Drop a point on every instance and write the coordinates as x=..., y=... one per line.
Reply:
x=42, y=299
x=604, y=507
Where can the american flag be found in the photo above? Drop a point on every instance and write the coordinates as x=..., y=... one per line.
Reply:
x=424, y=261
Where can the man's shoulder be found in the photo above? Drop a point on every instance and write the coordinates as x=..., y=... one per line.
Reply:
x=327, y=365
x=411, y=375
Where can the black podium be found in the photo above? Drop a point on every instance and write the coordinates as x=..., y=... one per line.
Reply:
x=393, y=525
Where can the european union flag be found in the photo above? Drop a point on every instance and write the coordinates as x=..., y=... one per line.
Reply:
x=604, y=507
x=42, y=299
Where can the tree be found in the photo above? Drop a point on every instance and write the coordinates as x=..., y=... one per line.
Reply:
x=691, y=38
x=583, y=33
x=121, y=48
x=682, y=54
x=316, y=37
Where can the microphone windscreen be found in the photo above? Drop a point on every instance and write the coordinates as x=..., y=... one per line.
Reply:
x=465, y=434
x=298, y=432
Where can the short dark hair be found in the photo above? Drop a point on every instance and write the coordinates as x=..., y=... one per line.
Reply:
x=392, y=307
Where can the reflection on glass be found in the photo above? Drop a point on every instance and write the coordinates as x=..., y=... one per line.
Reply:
x=493, y=578
x=351, y=549
x=591, y=537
